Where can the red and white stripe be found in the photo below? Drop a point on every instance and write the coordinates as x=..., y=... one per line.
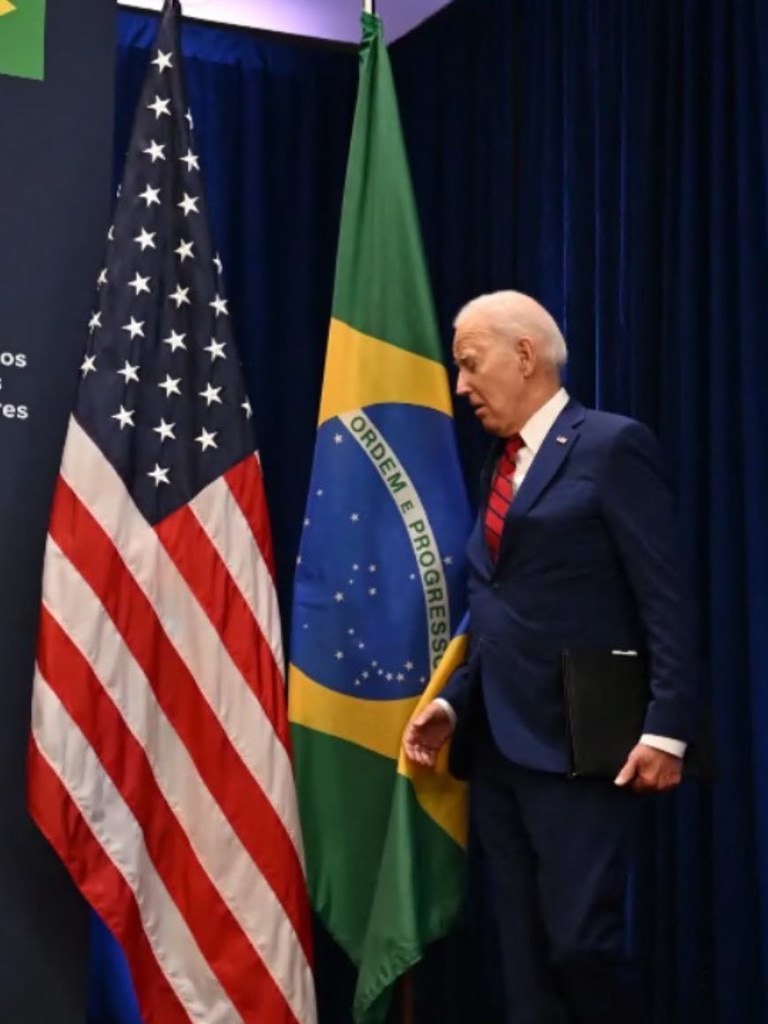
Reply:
x=159, y=759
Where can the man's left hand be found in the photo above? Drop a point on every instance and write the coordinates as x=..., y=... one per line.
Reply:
x=649, y=770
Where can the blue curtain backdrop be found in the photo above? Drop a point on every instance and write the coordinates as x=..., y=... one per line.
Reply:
x=611, y=158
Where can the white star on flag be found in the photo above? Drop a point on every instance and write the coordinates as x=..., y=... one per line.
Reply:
x=216, y=350
x=175, y=341
x=140, y=284
x=165, y=430
x=207, y=440
x=219, y=305
x=189, y=204
x=170, y=385
x=180, y=296
x=129, y=372
x=160, y=107
x=150, y=195
x=155, y=150
x=211, y=394
x=146, y=239
x=191, y=160
x=163, y=61
x=135, y=328
x=184, y=251
x=160, y=476
x=125, y=417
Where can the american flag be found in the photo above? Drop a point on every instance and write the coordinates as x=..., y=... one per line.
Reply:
x=159, y=763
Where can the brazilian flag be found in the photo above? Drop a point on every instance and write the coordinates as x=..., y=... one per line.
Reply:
x=22, y=38
x=380, y=584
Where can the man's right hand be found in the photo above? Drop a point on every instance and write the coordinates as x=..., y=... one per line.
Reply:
x=426, y=734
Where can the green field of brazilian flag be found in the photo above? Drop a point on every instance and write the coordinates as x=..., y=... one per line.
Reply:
x=380, y=585
x=22, y=38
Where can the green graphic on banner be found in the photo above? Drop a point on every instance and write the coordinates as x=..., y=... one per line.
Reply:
x=22, y=38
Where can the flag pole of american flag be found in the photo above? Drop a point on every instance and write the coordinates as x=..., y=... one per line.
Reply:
x=159, y=763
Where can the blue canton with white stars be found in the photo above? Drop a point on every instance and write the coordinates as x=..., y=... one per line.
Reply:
x=161, y=389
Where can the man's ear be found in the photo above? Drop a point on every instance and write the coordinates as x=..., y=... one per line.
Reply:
x=526, y=355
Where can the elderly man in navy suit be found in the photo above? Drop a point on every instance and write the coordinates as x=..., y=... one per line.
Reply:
x=574, y=547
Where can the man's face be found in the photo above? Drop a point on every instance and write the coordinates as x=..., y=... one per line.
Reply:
x=491, y=375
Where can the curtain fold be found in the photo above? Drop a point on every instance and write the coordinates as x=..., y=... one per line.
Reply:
x=611, y=158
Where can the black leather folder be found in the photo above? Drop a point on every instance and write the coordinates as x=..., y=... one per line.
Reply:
x=606, y=699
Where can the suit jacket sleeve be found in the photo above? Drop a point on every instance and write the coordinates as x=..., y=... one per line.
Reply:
x=457, y=690
x=638, y=507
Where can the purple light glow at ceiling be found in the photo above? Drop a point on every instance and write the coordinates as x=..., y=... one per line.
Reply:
x=324, y=19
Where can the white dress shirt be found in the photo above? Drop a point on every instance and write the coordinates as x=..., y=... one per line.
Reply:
x=533, y=434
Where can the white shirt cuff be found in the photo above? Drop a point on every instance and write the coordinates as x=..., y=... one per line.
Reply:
x=675, y=747
x=449, y=710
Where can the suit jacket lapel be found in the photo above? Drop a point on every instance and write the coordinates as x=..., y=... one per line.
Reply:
x=553, y=452
x=489, y=466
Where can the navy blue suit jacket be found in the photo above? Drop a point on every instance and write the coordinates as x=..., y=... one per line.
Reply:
x=588, y=558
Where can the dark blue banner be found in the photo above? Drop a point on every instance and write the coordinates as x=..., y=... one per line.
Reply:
x=55, y=162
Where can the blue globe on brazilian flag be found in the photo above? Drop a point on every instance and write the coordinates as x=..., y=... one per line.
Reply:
x=380, y=585
x=22, y=38
x=382, y=549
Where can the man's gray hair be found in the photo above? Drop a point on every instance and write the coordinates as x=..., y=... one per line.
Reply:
x=514, y=315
